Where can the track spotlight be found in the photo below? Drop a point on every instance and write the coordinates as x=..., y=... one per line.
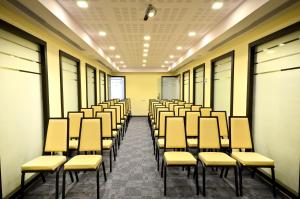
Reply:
x=150, y=12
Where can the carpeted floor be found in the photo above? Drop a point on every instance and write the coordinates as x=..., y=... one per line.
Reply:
x=134, y=175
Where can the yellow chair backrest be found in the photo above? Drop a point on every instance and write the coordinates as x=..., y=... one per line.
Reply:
x=153, y=107
x=168, y=103
x=158, y=110
x=176, y=109
x=57, y=135
x=104, y=105
x=181, y=103
x=192, y=121
x=240, y=135
x=175, y=133
x=162, y=122
x=113, y=116
x=121, y=109
x=196, y=107
x=88, y=112
x=108, y=104
x=155, y=111
x=222, y=119
x=106, y=123
x=118, y=111
x=205, y=111
x=74, y=123
x=90, y=135
x=182, y=111
x=209, y=136
x=188, y=105
x=171, y=106
x=97, y=108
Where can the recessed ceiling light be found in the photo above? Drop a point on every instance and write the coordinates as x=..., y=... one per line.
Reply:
x=147, y=37
x=166, y=62
x=145, y=55
x=162, y=66
x=121, y=62
x=82, y=4
x=146, y=45
x=102, y=33
x=144, y=60
x=178, y=48
x=112, y=48
x=124, y=66
x=171, y=56
x=217, y=5
x=146, y=50
x=144, y=65
x=118, y=56
x=192, y=34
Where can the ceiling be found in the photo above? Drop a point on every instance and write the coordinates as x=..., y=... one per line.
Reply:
x=123, y=22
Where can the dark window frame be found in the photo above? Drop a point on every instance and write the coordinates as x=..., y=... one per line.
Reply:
x=102, y=72
x=166, y=76
x=194, y=83
x=122, y=76
x=185, y=72
x=95, y=82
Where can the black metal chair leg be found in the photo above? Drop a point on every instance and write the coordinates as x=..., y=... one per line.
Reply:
x=114, y=152
x=241, y=181
x=98, y=189
x=236, y=182
x=226, y=173
x=188, y=171
x=165, y=180
x=110, y=162
x=197, y=182
x=22, y=184
x=273, y=182
x=162, y=168
x=104, y=173
x=222, y=172
x=57, y=184
x=43, y=177
x=76, y=175
x=203, y=181
x=64, y=184
x=71, y=176
x=158, y=159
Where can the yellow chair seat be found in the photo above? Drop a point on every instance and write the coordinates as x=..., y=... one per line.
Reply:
x=73, y=144
x=161, y=142
x=225, y=142
x=156, y=133
x=107, y=144
x=153, y=126
x=115, y=133
x=83, y=162
x=216, y=159
x=252, y=159
x=122, y=121
x=125, y=116
x=192, y=142
x=44, y=163
x=179, y=158
x=119, y=126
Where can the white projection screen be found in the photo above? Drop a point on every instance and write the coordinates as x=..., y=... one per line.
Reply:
x=70, y=85
x=102, y=86
x=170, y=87
x=276, y=105
x=117, y=87
x=91, y=85
x=186, y=86
x=21, y=105
x=222, y=85
x=199, y=85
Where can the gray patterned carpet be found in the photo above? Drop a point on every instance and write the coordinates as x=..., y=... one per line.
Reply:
x=134, y=175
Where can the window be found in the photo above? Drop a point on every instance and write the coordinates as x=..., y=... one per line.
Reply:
x=170, y=87
x=70, y=83
x=186, y=86
x=199, y=84
x=91, y=93
x=102, y=84
x=117, y=87
x=275, y=101
x=222, y=83
x=24, y=101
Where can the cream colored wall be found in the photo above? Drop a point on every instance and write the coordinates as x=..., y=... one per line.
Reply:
x=240, y=47
x=54, y=44
x=140, y=87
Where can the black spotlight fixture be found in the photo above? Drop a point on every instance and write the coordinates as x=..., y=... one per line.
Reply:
x=150, y=12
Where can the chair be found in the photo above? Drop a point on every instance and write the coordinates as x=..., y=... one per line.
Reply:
x=175, y=139
x=205, y=111
x=105, y=106
x=88, y=112
x=171, y=106
x=181, y=103
x=74, y=129
x=196, y=107
x=156, y=125
x=90, y=140
x=182, y=111
x=209, y=138
x=96, y=108
x=160, y=141
x=176, y=109
x=222, y=119
x=240, y=138
x=153, y=121
x=119, y=124
x=107, y=135
x=56, y=142
x=115, y=131
x=123, y=121
x=188, y=105
x=192, y=120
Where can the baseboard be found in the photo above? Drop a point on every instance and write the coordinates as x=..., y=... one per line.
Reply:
x=279, y=186
x=29, y=182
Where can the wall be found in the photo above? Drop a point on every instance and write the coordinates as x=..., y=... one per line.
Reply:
x=54, y=44
x=240, y=47
x=140, y=87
